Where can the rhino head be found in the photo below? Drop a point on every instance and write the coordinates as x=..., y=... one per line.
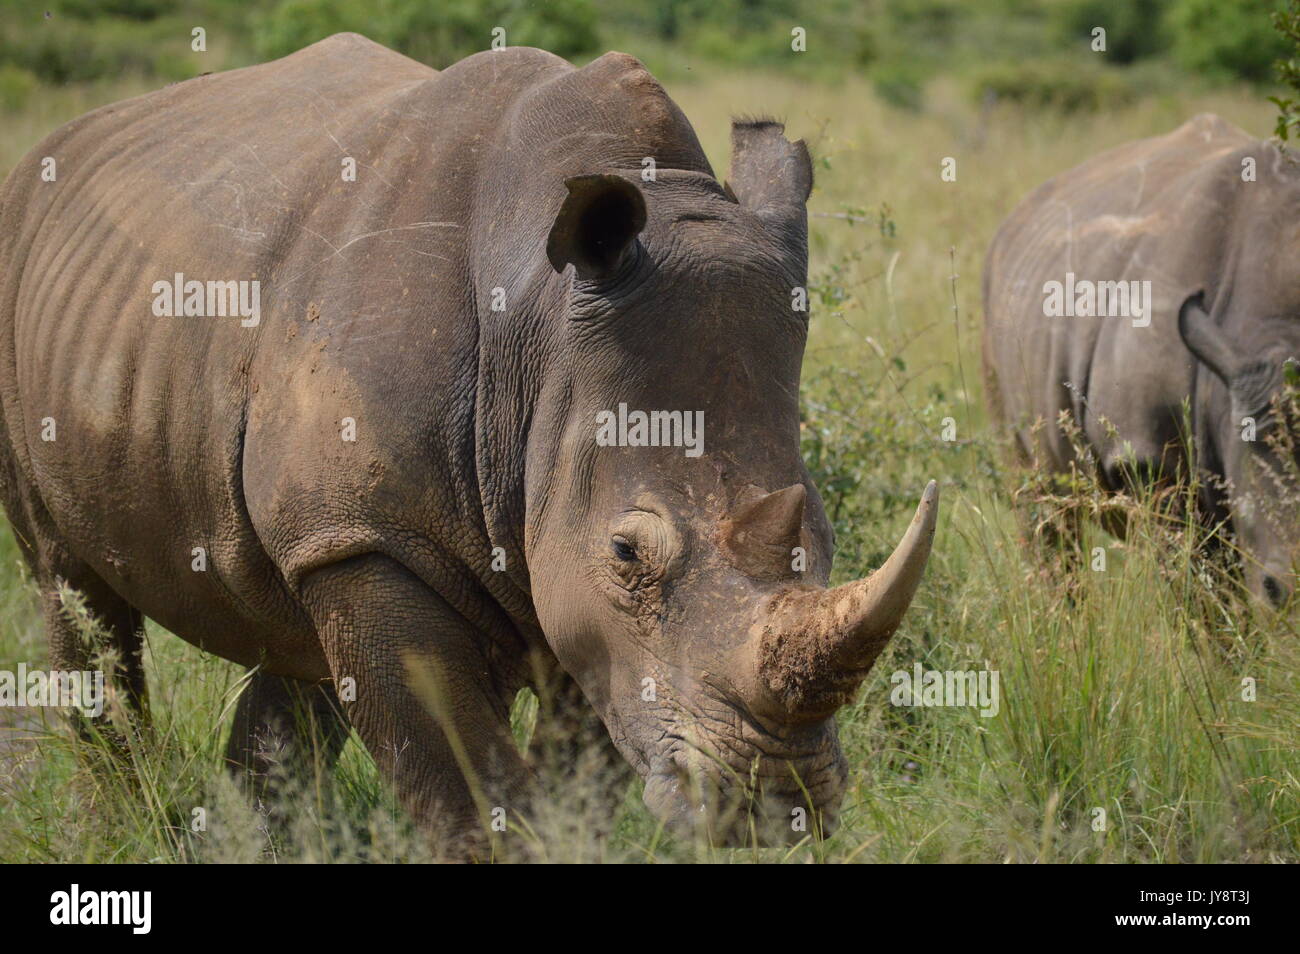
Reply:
x=684, y=586
x=1261, y=490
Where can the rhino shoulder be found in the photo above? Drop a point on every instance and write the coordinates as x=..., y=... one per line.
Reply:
x=1210, y=128
x=352, y=50
x=623, y=80
x=1219, y=161
x=612, y=113
x=1135, y=184
x=341, y=54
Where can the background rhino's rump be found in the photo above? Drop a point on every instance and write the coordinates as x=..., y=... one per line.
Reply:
x=1173, y=210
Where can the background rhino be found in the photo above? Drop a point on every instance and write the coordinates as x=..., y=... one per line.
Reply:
x=1208, y=216
x=497, y=274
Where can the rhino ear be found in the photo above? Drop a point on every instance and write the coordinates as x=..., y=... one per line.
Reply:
x=772, y=177
x=597, y=226
x=1206, y=340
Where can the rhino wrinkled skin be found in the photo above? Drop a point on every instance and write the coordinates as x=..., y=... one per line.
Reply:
x=1207, y=215
x=498, y=272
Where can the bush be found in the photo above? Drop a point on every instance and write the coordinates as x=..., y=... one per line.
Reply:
x=16, y=87
x=1135, y=29
x=900, y=84
x=1227, y=40
x=1287, y=24
x=64, y=50
x=438, y=34
x=1053, y=85
x=293, y=24
x=131, y=9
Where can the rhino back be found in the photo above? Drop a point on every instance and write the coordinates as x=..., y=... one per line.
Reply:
x=1172, y=210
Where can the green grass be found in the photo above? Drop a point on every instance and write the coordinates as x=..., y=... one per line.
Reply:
x=1121, y=691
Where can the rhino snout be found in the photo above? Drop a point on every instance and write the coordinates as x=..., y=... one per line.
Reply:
x=735, y=807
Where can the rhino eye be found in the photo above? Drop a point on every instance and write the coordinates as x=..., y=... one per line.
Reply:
x=624, y=550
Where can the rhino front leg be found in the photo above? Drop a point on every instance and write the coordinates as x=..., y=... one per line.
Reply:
x=113, y=633
x=416, y=684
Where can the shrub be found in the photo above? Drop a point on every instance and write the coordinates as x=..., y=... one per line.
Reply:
x=438, y=34
x=900, y=84
x=16, y=87
x=1287, y=24
x=1226, y=40
x=63, y=50
x=130, y=9
x=1135, y=29
x=1067, y=87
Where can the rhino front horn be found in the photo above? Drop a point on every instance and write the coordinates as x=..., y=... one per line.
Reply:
x=815, y=646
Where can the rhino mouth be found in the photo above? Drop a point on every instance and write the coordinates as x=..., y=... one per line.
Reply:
x=748, y=796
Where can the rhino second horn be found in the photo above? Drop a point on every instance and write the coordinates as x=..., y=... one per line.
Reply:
x=816, y=645
x=762, y=534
